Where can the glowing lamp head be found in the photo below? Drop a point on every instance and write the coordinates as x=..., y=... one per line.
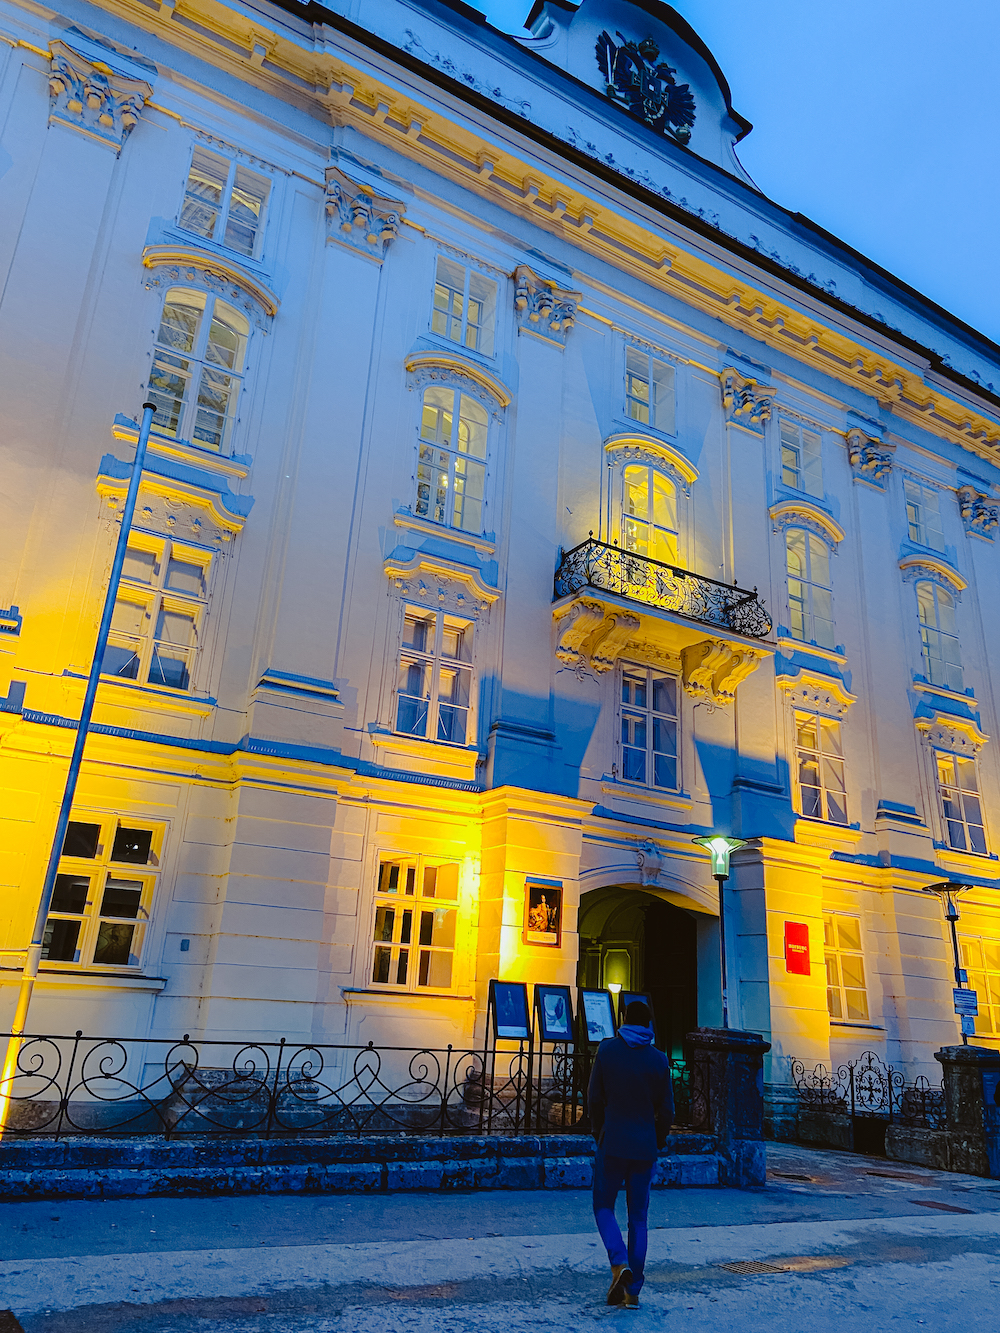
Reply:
x=721, y=849
x=614, y=987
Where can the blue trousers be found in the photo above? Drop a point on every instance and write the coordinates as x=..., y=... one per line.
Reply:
x=610, y=1174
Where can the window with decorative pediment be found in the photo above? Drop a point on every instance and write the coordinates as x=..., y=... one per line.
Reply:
x=819, y=754
x=958, y=792
x=159, y=613
x=434, y=679
x=810, y=595
x=224, y=201
x=465, y=306
x=198, y=365
x=649, y=513
x=939, y=644
x=451, y=467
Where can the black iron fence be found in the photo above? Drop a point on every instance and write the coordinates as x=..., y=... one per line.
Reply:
x=106, y=1085
x=867, y=1094
x=596, y=564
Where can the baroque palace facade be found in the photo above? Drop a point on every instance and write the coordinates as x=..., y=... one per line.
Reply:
x=527, y=496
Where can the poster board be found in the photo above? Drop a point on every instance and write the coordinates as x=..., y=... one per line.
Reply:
x=555, y=1013
x=596, y=1015
x=509, y=1003
x=543, y=904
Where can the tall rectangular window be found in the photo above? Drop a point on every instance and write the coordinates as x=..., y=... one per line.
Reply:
x=225, y=202
x=434, y=680
x=981, y=959
x=465, y=306
x=810, y=598
x=819, y=753
x=416, y=915
x=159, y=613
x=960, y=804
x=801, y=459
x=451, y=462
x=649, y=728
x=846, y=992
x=649, y=390
x=923, y=515
x=197, y=370
x=649, y=513
x=103, y=893
x=939, y=644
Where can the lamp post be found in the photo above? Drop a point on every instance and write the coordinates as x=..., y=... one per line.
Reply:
x=721, y=849
x=948, y=891
x=33, y=953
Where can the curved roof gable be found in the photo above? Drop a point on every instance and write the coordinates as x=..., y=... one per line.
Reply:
x=650, y=64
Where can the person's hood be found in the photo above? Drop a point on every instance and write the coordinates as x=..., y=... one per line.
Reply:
x=632, y=1035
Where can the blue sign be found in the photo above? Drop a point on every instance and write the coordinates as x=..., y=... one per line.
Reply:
x=966, y=1002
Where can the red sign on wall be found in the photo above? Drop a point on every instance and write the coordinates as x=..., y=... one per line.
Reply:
x=797, y=948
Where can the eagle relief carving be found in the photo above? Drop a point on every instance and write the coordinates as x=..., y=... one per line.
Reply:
x=648, y=90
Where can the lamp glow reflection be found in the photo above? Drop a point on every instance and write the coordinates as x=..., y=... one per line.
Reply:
x=721, y=849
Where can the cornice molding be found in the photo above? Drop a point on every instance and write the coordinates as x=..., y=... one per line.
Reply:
x=451, y=145
x=956, y=735
x=630, y=446
x=802, y=514
x=932, y=568
x=448, y=367
x=188, y=264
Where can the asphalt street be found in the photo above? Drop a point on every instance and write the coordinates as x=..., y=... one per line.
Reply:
x=834, y=1241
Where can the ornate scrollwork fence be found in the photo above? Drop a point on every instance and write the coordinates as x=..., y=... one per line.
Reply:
x=869, y=1088
x=104, y=1085
x=596, y=564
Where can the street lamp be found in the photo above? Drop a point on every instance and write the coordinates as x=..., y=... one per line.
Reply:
x=721, y=849
x=948, y=892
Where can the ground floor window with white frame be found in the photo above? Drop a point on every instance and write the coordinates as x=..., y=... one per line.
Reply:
x=416, y=921
x=103, y=892
x=846, y=991
x=648, y=727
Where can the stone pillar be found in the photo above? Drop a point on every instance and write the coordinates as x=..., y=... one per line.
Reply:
x=972, y=1102
x=727, y=1099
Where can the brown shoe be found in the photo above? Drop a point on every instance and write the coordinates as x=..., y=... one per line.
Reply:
x=631, y=1302
x=621, y=1276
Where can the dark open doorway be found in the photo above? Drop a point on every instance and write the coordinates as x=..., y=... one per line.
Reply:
x=631, y=937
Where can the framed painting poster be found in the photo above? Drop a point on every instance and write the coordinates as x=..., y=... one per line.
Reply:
x=509, y=1002
x=597, y=1012
x=542, y=914
x=555, y=1013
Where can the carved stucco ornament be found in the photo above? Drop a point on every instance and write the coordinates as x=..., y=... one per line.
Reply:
x=636, y=79
x=590, y=635
x=746, y=401
x=980, y=515
x=870, y=460
x=542, y=307
x=650, y=858
x=954, y=735
x=357, y=215
x=91, y=97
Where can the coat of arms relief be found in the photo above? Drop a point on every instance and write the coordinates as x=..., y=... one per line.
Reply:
x=647, y=89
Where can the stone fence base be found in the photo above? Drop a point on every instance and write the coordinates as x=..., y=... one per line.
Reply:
x=83, y=1168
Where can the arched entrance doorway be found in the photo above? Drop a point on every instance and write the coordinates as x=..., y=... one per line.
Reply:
x=632, y=937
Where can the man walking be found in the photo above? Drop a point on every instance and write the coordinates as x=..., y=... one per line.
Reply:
x=631, y=1110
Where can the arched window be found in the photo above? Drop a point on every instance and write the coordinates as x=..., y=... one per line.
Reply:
x=939, y=635
x=198, y=366
x=649, y=513
x=451, y=471
x=810, y=599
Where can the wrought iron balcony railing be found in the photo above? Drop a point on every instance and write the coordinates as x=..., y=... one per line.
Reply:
x=596, y=564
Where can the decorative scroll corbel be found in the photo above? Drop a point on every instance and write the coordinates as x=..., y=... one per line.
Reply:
x=870, y=460
x=363, y=219
x=980, y=516
x=542, y=307
x=712, y=670
x=746, y=401
x=91, y=97
x=610, y=638
x=579, y=623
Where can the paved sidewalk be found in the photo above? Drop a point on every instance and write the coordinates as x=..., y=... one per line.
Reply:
x=860, y=1244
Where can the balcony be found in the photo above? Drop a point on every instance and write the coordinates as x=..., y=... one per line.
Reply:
x=611, y=603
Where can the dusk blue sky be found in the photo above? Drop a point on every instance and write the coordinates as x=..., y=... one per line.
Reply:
x=880, y=120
